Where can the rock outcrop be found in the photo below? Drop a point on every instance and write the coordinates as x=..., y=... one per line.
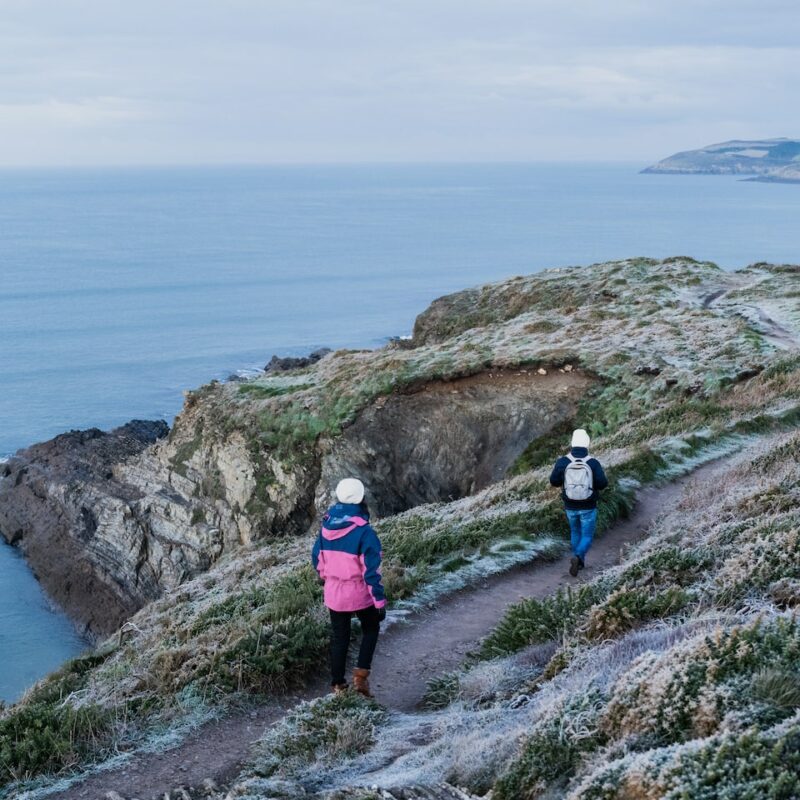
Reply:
x=287, y=363
x=66, y=505
x=109, y=521
x=450, y=439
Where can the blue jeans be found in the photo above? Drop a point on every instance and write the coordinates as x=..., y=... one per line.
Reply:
x=582, y=523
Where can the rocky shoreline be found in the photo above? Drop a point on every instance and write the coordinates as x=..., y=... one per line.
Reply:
x=55, y=498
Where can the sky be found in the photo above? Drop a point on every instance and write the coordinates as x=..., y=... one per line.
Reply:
x=111, y=82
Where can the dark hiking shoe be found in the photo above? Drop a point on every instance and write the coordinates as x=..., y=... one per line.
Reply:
x=581, y=565
x=574, y=566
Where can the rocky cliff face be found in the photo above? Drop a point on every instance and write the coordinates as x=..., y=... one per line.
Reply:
x=111, y=521
x=81, y=524
x=450, y=439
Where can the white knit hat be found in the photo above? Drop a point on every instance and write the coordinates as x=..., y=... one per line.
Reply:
x=580, y=438
x=350, y=490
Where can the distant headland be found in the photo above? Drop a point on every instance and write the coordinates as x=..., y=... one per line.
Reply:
x=768, y=160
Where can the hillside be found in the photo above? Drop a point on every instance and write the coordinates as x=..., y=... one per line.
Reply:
x=670, y=364
x=787, y=174
x=771, y=159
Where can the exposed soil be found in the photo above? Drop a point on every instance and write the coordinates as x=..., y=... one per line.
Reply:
x=409, y=655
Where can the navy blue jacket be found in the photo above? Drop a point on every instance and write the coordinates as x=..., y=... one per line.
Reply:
x=600, y=480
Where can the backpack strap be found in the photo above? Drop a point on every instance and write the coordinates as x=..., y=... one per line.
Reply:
x=576, y=460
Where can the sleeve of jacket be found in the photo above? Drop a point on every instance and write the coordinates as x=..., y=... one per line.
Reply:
x=600, y=479
x=315, y=551
x=557, y=475
x=372, y=567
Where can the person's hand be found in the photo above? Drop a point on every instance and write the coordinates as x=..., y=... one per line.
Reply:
x=381, y=613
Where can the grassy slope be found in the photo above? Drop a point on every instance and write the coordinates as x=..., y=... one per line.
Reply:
x=253, y=623
x=673, y=675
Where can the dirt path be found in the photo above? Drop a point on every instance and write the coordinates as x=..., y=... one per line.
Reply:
x=409, y=654
x=772, y=330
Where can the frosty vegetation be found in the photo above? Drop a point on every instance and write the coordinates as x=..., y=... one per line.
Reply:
x=672, y=675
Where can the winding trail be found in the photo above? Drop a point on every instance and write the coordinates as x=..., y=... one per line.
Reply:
x=778, y=333
x=409, y=654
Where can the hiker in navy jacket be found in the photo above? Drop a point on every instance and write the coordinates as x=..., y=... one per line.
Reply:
x=347, y=555
x=581, y=479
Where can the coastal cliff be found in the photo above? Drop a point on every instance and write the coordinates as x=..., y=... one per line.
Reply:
x=108, y=521
x=488, y=371
x=670, y=365
x=78, y=522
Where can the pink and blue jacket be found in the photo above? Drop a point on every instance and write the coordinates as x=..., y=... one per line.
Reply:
x=347, y=555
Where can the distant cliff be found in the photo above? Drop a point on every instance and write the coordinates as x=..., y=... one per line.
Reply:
x=775, y=160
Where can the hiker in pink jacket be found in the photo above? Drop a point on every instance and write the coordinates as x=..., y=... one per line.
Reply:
x=347, y=555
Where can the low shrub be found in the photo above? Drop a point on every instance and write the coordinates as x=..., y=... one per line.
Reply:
x=284, y=634
x=735, y=766
x=42, y=737
x=321, y=731
x=626, y=608
x=552, y=752
x=441, y=691
x=534, y=621
x=689, y=690
x=47, y=733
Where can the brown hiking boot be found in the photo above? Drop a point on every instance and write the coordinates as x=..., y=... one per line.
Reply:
x=361, y=681
x=339, y=688
x=574, y=566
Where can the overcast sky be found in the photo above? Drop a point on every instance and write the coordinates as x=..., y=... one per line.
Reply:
x=196, y=81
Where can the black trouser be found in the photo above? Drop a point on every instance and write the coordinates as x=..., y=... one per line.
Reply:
x=340, y=640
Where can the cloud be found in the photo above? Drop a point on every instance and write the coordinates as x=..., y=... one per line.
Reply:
x=105, y=81
x=86, y=113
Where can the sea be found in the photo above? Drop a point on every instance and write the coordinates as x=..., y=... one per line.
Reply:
x=121, y=288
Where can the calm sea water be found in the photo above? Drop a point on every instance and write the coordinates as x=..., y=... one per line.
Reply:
x=34, y=637
x=121, y=288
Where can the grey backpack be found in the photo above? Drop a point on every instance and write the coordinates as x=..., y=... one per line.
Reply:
x=578, y=479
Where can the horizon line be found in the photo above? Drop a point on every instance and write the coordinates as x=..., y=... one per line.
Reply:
x=288, y=164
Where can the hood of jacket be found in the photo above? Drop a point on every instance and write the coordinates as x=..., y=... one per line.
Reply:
x=342, y=518
x=580, y=452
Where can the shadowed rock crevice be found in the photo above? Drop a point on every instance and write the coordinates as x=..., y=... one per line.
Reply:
x=450, y=439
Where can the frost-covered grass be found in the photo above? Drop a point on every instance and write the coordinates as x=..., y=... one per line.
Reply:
x=639, y=325
x=676, y=384
x=316, y=735
x=623, y=693
x=648, y=682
